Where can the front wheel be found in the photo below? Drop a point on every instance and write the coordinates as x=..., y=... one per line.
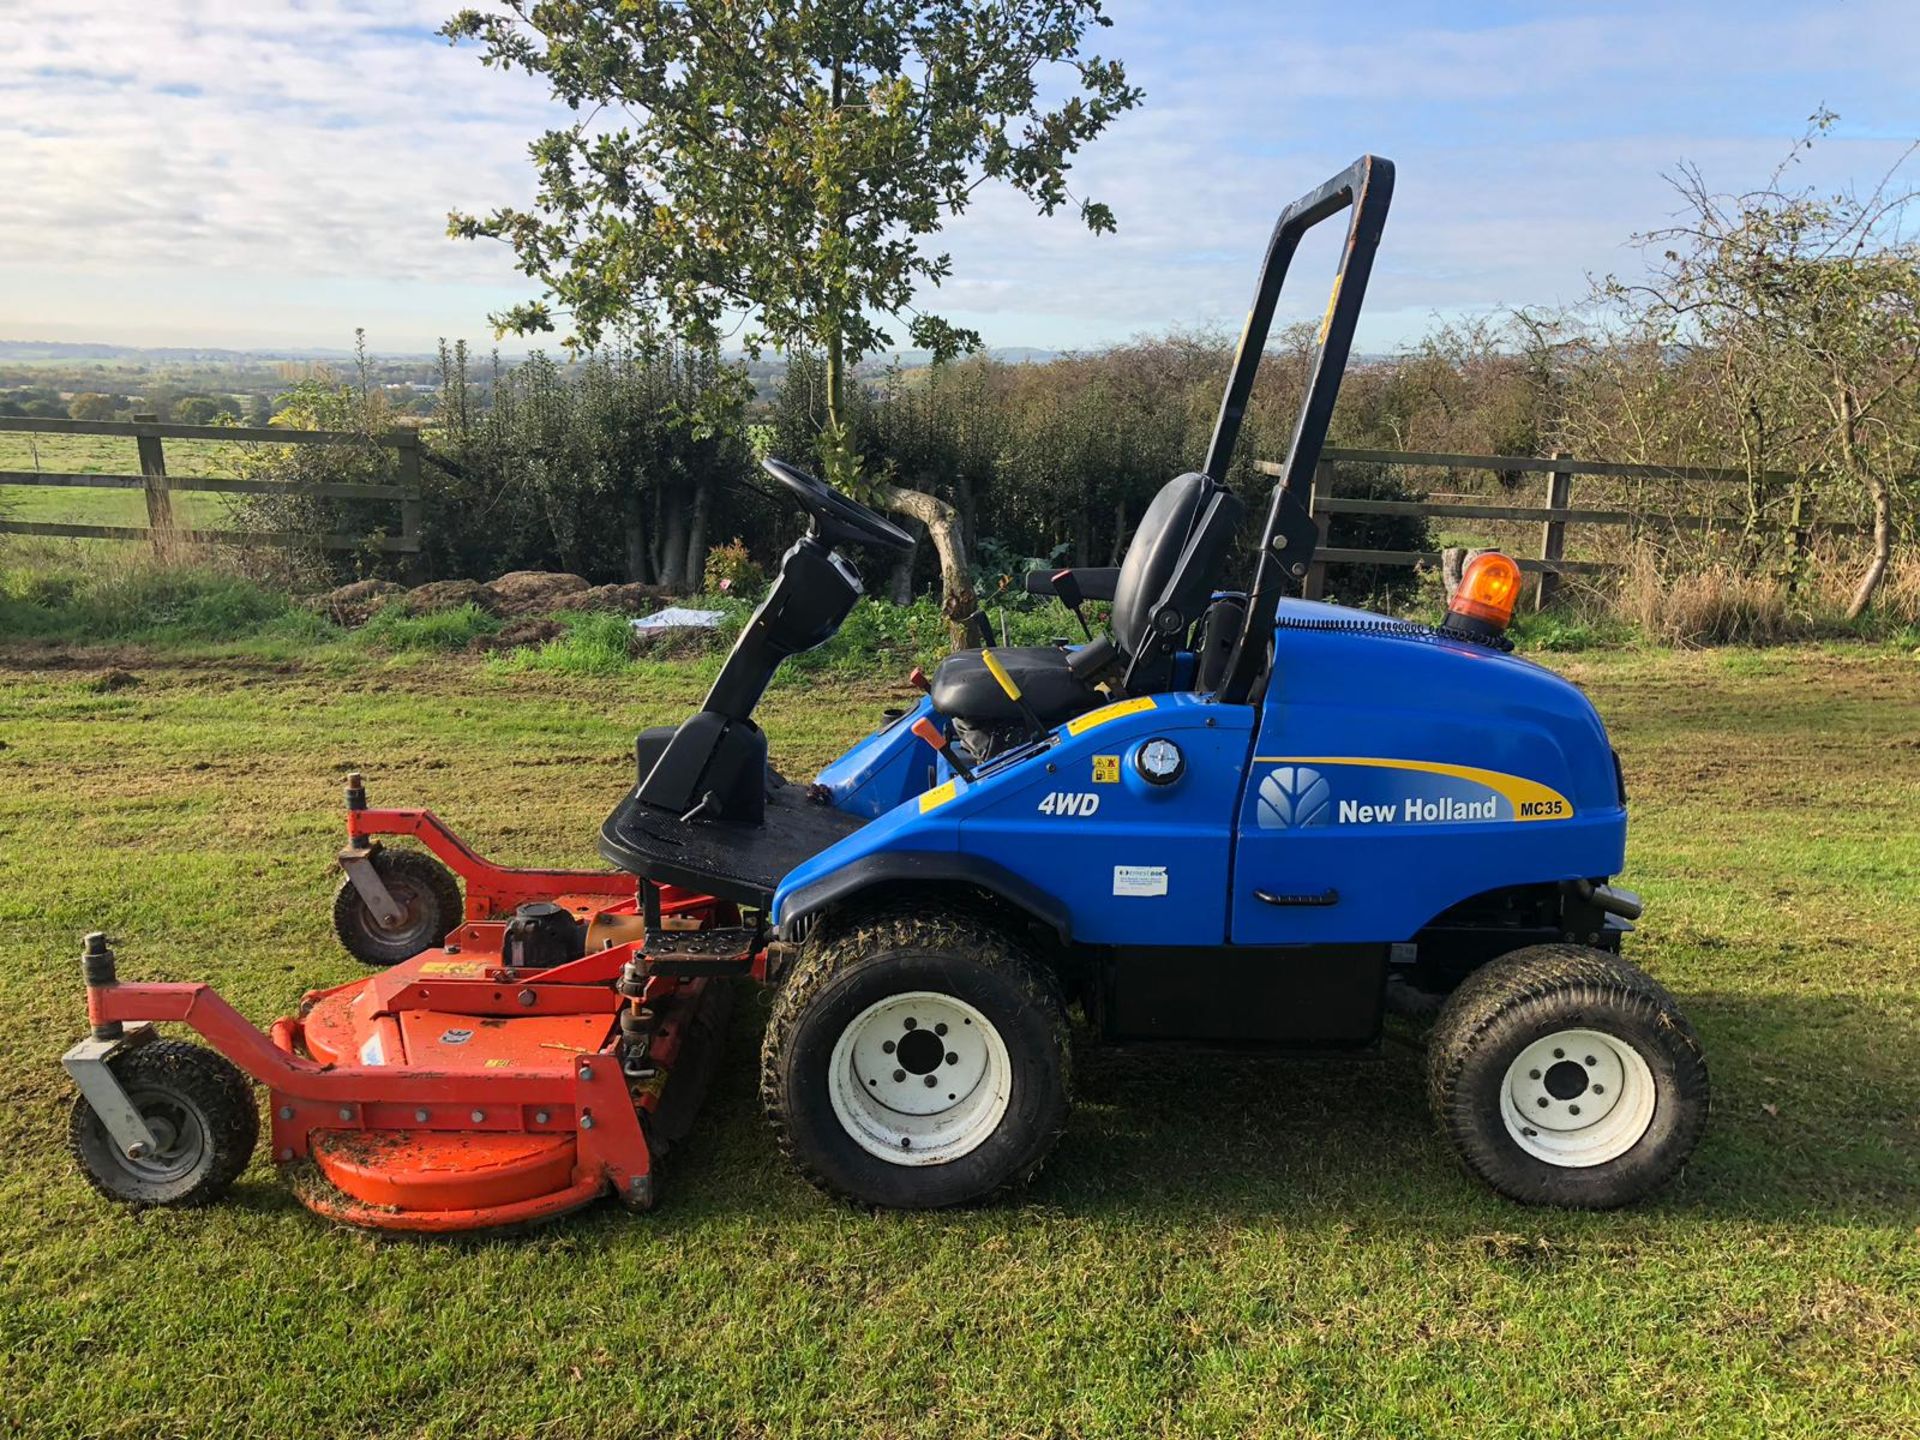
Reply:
x=200, y=1109
x=917, y=1060
x=430, y=908
x=1565, y=1076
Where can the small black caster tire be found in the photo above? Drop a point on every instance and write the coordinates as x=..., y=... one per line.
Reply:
x=201, y=1111
x=917, y=1060
x=1565, y=1076
x=425, y=890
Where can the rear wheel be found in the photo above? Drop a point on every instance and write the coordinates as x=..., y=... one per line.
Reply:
x=429, y=901
x=1565, y=1076
x=916, y=1061
x=201, y=1112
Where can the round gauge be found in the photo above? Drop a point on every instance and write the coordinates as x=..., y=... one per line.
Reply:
x=1160, y=761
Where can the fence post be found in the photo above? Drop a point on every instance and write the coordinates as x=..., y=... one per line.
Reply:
x=1553, y=535
x=407, y=453
x=1315, y=585
x=153, y=469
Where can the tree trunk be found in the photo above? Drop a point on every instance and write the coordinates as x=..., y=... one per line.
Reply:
x=1119, y=532
x=633, y=517
x=672, y=544
x=1882, y=498
x=697, y=534
x=900, y=582
x=957, y=600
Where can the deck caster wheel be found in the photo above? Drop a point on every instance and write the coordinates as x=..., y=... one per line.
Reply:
x=201, y=1112
x=428, y=896
x=916, y=1061
x=1565, y=1076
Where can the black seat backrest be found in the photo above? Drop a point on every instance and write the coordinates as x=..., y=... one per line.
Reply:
x=1170, y=570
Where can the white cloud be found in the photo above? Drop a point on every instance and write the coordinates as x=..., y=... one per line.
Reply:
x=278, y=172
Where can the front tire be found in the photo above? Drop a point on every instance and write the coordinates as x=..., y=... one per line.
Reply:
x=917, y=1060
x=200, y=1109
x=1565, y=1076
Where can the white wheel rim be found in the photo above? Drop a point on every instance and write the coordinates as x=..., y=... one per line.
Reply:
x=1577, y=1098
x=919, y=1078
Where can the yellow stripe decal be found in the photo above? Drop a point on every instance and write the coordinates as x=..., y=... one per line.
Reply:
x=1083, y=723
x=1530, y=799
x=1326, y=320
x=933, y=799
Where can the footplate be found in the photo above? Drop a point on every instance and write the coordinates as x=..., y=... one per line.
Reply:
x=690, y=954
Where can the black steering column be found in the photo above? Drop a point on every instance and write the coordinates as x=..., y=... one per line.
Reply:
x=713, y=766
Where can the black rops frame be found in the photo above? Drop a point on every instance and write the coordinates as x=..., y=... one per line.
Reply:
x=1287, y=543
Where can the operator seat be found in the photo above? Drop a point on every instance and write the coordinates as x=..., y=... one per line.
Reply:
x=1165, y=580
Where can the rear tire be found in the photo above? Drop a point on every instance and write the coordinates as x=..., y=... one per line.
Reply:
x=200, y=1109
x=917, y=1060
x=1566, y=1076
x=423, y=887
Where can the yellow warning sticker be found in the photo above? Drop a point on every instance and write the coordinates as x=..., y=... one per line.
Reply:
x=939, y=796
x=498, y=1064
x=1106, y=769
x=453, y=969
x=1093, y=718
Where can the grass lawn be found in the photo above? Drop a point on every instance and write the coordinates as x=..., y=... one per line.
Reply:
x=1220, y=1246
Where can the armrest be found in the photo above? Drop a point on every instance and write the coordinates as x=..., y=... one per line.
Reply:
x=1095, y=584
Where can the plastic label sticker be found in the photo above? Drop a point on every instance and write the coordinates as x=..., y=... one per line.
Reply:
x=1139, y=879
x=1106, y=769
x=935, y=798
x=468, y=969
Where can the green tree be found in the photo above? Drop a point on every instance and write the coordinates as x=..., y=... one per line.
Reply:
x=784, y=164
x=91, y=405
x=197, y=410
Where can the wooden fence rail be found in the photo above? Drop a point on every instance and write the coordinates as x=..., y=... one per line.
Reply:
x=1554, y=515
x=149, y=434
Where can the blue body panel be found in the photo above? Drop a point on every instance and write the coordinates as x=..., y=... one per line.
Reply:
x=1382, y=779
x=890, y=766
x=1400, y=842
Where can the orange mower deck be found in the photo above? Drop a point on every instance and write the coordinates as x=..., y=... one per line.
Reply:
x=456, y=1091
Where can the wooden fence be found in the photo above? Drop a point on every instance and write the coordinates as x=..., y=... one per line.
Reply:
x=1554, y=514
x=149, y=433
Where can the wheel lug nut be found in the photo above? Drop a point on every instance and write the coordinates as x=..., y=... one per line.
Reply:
x=1533, y=1074
x=886, y=1047
x=1559, y=1054
x=898, y=1076
x=912, y=1024
x=941, y=1028
x=1543, y=1102
x=930, y=1082
x=1592, y=1061
x=952, y=1059
x=1573, y=1109
x=1599, y=1089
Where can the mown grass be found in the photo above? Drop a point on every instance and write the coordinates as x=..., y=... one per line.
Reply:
x=1222, y=1245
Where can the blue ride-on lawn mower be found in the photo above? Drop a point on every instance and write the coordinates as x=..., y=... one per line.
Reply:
x=1234, y=818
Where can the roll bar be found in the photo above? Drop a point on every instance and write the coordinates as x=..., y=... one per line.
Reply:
x=1287, y=543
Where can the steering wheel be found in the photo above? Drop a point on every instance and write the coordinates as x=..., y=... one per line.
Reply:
x=836, y=518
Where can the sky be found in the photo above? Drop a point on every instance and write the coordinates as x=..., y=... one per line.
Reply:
x=272, y=173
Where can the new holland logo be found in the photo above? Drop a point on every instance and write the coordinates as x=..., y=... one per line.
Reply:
x=1293, y=796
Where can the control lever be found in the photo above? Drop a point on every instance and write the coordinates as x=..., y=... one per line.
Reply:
x=999, y=673
x=917, y=678
x=1067, y=586
x=929, y=731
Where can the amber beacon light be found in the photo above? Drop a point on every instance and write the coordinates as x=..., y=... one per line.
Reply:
x=1483, y=605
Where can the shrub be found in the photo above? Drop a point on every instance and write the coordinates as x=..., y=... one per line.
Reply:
x=732, y=571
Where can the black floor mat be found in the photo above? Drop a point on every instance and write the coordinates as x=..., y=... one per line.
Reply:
x=742, y=863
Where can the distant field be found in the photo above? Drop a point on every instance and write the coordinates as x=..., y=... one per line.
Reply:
x=107, y=455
